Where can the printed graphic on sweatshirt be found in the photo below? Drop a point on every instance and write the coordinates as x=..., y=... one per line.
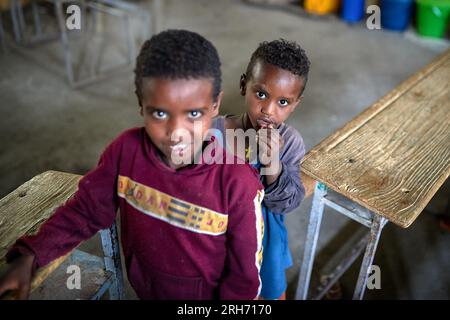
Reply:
x=177, y=212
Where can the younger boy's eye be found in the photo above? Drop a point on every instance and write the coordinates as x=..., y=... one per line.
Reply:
x=283, y=102
x=158, y=114
x=195, y=114
x=260, y=94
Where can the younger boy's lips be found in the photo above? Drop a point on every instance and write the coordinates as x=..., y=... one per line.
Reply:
x=265, y=123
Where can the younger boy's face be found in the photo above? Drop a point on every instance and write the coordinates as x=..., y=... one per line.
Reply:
x=171, y=107
x=271, y=94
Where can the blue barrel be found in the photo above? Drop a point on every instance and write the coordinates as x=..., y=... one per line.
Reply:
x=396, y=14
x=352, y=10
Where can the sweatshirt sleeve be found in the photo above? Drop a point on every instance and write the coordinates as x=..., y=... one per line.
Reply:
x=287, y=192
x=92, y=208
x=244, y=241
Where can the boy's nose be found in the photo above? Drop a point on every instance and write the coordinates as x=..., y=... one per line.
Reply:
x=176, y=130
x=268, y=108
x=172, y=127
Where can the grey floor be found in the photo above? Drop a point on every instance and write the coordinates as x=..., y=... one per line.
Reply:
x=45, y=124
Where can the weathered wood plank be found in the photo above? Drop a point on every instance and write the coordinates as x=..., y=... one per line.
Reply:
x=394, y=156
x=25, y=209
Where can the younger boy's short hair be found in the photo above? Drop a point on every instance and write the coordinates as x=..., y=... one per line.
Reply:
x=287, y=55
x=178, y=54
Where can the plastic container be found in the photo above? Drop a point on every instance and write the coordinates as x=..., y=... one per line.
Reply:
x=321, y=7
x=396, y=14
x=432, y=17
x=352, y=10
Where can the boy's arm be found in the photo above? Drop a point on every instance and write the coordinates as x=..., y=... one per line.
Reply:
x=92, y=208
x=244, y=241
x=287, y=192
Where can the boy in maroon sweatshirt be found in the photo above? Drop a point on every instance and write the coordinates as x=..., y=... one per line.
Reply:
x=188, y=231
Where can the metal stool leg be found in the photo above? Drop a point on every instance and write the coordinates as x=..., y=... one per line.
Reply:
x=147, y=27
x=312, y=236
x=2, y=35
x=15, y=21
x=36, y=18
x=65, y=41
x=20, y=15
x=129, y=36
x=375, y=233
x=111, y=250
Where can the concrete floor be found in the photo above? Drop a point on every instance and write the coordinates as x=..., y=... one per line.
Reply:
x=47, y=125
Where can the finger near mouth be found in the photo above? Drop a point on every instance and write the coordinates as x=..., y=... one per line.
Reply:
x=264, y=124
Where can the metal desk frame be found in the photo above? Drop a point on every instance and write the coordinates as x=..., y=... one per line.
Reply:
x=111, y=250
x=361, y=215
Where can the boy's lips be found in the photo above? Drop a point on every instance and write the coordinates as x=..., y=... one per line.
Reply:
x=265, y=123
x=178, y=147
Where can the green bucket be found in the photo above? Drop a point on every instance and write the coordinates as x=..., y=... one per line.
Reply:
x=433, y=17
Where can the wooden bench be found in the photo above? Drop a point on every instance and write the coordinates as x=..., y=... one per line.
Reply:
x=25, y=209
x=384, y=165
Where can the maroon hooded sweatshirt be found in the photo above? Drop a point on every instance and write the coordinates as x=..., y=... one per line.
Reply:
x=191, y=233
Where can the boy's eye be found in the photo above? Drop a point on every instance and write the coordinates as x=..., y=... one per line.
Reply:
x=283, y=102
x=260, y=94
x=158, y=114
x=194, y=114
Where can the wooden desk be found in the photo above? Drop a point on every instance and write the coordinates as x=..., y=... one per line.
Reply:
x=390, y=160
x=25, y=209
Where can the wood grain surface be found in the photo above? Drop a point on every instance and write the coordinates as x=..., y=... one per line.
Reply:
x=25, y=209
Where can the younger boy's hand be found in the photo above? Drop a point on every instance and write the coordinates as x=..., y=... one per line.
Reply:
x=18, y=277
x=270, y=144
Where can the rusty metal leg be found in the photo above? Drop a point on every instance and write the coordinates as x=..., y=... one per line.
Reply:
x=312, y=235
x=111, y=250
x=375, y=233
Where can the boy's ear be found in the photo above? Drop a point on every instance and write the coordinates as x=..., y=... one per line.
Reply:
x=216, y=105
x=243, y=84
x=141, y=110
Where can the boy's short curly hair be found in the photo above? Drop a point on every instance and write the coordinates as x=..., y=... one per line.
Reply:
x=287, y=55
x=178, y=54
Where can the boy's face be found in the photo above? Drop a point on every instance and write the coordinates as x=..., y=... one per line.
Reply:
x=271, y=94
x=170, y=108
